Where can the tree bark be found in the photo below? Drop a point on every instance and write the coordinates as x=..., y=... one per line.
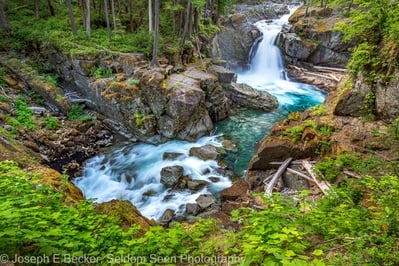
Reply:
x=131, y=15
x=37, y=16
x=154, y=61
x=3, y=19
x=107, y=19
x=71, y=17
x=113, y=14
x=186, y=22
x=88, y=26
x=150, y=23
x=50, y=8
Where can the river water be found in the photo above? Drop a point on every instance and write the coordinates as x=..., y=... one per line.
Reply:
x=133, y=172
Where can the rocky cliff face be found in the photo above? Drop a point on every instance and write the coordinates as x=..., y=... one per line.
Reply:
x=312, y=39
x=380, y=99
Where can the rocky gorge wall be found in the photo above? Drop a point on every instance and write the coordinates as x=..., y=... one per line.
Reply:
x=312, y=40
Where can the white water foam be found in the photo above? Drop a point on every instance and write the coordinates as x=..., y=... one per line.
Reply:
x=133, y=173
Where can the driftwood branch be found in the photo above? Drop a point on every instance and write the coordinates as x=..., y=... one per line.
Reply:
x=300, y=174
x=351, y=174
x=329, y=69
x=296, y=162
x=276, y=176
x=323, y=185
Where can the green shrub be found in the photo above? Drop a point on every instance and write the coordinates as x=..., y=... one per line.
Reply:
x=51, y=123
x=52, y=79
x=76, y=113
x=101, y=72
x=135, y=82
x=24, y=114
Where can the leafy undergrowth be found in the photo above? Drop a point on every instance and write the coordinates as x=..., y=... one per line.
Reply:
x=357, y=223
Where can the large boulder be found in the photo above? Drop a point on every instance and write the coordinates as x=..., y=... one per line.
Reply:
x=206, y=152
x=243, y=95
x=171, y=175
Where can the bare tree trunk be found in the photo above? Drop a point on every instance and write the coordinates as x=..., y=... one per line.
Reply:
x=150, y=23
x=186, y=22
x=71, y=16
x=131, y=15
x=154, y=61
x=3, y=20
x=88, y=26
x=107, y=19
x=37, y=16
x=50, y=8
x=113, y=14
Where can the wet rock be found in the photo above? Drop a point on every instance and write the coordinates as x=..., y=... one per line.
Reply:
x=196, y=185
x=37, y=110
x=214, y=179
x=229, y=145
x=238, y=191
x=224, y=75
x=171, y=155
x=166, y=217
x=244, y=95
x=207, y=152
x=192, y=209
x=171, y=175
x=205, y=200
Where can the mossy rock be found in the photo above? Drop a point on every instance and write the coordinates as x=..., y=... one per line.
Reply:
x=127, y=213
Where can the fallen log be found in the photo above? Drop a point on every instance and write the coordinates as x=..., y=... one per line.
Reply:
x=320, y=68
x=321, y=76
x=323, y=185
x=280, y=171
x=296, y=162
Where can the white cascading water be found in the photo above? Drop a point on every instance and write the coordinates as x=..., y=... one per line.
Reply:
x=133, y=172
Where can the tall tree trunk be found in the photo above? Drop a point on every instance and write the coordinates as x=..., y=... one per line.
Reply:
x=37, y=16
x=88, y=26
x=107, y=19
x=50, y=8
x=71, y=16
x=150, y=23
x=154, y=61
x=131, y=15
x=3, y=20
x=113, y=14
x=186, y=22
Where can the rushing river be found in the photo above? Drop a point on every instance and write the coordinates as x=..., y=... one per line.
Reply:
x=133, y=172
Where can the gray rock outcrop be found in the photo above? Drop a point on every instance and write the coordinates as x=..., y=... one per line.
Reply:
x=243, y=95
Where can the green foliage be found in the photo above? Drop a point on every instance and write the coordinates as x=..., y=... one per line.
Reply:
x=24, y=115
x=2, y=72
x=318, y=110
x=101, y=72
x=52, y=79
x=135, y=82
x=144, y=41
x=76, y=113
x=368, y=106
x=36, y=97
x=373, y=24
x=51, y=122
x=394, y=129
x=294, y=133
